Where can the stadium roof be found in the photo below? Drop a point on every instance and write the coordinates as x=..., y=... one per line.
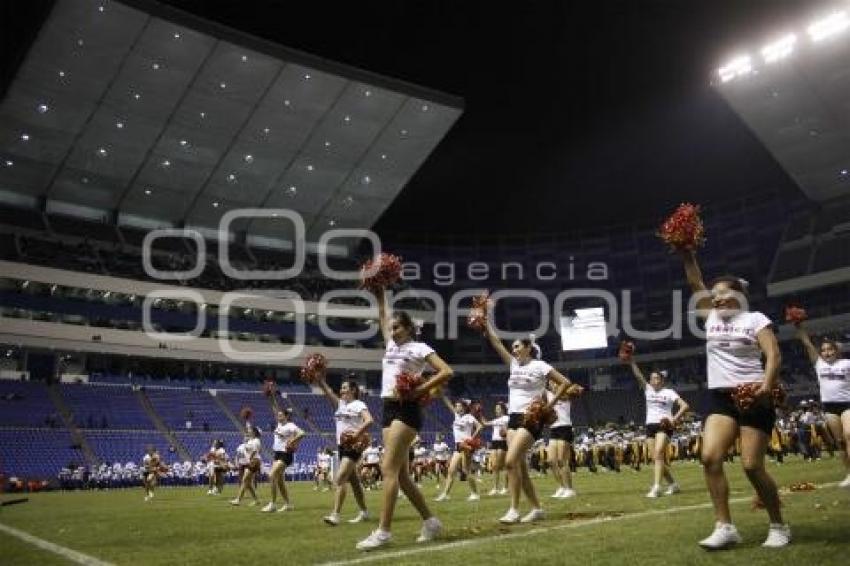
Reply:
x=156, y=117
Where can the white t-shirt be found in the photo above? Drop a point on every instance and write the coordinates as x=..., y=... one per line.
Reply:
x=242, y=457
x=324, y=461
x=441, y=451
x=834, y=380
x=732, y=349
x=252, y=448
x=372, y=455
x=463, y=427
x=409, y=357
x=420, y=454
x=497, y=424
x=659, y=404
x=283, y=433
x=562, y=410
x=526, y=383
x=348, y=417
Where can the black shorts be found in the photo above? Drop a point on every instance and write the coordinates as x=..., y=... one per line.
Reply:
x=653, y=429
x=352, y=455
x=515, y=423
x=835, y=408
x=285, y=457
x=408, y=412
x=562, y=433
x=498, y=445
x=760, y=415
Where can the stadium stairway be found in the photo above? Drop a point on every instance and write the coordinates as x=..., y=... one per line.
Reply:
x=236, y=422
x=160, y=426
x=77, y=437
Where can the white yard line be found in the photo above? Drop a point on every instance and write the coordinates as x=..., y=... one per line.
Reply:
x=400, y=554
x=67, y=553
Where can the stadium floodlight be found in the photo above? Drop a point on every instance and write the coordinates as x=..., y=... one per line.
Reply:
x=779, y=49
x=737, y=67
x=829, y=26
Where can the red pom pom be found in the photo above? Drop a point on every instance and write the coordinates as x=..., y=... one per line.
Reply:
x=350, y=441
x=539, y=414
x=314, y=368
x=627, y=351
x=683, y=230
x=666, y=425
x=381, y=272
x=269, y=387
x=477, y=318
x=406, y=384
x=471, y=444
x=744, y=395
x=246, y=413
x=795, y=315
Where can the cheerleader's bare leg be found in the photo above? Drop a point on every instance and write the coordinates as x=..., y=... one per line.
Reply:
x=753, y=448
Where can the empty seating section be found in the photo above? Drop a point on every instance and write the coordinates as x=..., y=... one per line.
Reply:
x=115, y=406
x=199, y=443
x=127, y=446
x=26, y=403
x=177, y=407
x=36, y=453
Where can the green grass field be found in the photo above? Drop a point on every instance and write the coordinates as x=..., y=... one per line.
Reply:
x=610, y=522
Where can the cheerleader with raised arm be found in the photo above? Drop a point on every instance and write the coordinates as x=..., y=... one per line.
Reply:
x=353, y=419
x=527, y=385
x=251, y=449
x=465, y=427
x=834, y=381
x=402, y=419
x=287, y=436
x=498, y=447
x=561, y=440
x=737, y=338
x=660, y=423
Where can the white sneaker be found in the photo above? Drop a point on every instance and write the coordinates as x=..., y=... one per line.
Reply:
x=846, y=482
x=286, y=507
x=209, y=492
x=269, y=508
x=360, y=517
x=503, y=491
x=493, y=492
x=151, y=494
x=558, y=493
x=654, y=492
x=431, y=529
x=332, y=519
x=147, y=497
x=473, y=497
x=778, y=535
x=442, y=497
x=533, y=515
x=567, y=492
x=724, y=536
x=511, y=517
x=672, y=489
x=234, y=502
x=377, y=539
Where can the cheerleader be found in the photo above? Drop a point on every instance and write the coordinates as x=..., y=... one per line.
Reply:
x=151, y=465
x=402, y=420
x=498, y=447
x=216, y=467
x=352, y=419
x=370, y=471
x=526, y=384
x=287, y=436
x=420, y=462
x=442, y=453
x=834, y=382
x=251, y=449
x=660, y=422
x=464, y=427
x=736, y=340
x=323, y=469
x=561, y=447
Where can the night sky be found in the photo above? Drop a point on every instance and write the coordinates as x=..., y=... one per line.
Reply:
x=578, y=113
